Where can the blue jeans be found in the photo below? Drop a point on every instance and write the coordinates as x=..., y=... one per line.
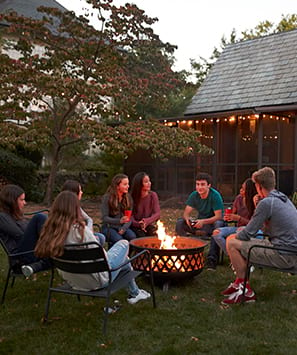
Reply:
x=31, y=236
x=29, y=241
x=220, y=238
x=214, y=250
x=114, y=236
x=182, y=229
x=100, y=237
x=116, y=255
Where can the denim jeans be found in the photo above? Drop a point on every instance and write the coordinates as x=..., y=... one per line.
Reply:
x=114, y=236
x=31, y=236
x=220, y=238
x=29, y=241
x=116, y=255
x=100, y=237
x=214, y=250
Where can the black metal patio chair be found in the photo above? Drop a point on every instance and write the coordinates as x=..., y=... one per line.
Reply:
x=290, y=250
x=14, y=263
x=90, y=258
x=14, y=267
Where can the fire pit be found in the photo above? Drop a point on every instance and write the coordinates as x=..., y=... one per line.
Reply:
x=173, y=258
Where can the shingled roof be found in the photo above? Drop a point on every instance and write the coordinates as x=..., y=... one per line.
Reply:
x=251, y=75
x=28, y=8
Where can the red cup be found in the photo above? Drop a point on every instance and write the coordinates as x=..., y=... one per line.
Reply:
x=228, y=211
x=128, y=214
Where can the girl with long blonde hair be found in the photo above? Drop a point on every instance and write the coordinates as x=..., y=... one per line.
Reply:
x=65, y=225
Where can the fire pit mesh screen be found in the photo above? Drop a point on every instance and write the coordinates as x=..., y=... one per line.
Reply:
x=184, y=261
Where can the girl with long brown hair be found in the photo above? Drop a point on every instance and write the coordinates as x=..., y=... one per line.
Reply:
x=18, y=233
x=65, y=225
x=115, y=203
x=146, y=207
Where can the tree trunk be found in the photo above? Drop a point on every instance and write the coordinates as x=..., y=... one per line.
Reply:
x=52, y=175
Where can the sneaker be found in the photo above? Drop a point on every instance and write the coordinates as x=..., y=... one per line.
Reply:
x=211, y=265
x=233, y=287
x=27, y=270
x=237, y=297
x=142, y=295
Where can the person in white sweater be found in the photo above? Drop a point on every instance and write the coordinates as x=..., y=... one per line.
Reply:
x=75, y=187
x=65, y=225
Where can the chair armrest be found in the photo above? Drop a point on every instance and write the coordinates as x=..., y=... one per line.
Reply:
x=15, y=255
x=289, y=250
x=35, y=212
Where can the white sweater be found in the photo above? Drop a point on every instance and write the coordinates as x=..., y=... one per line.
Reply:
x=84, y=282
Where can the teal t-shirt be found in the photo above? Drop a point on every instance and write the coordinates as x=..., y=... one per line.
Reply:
x=207, y=206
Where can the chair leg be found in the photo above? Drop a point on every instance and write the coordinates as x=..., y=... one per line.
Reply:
x=106, y=312
x=12, y=281
x=5, y=286
x=47, y=306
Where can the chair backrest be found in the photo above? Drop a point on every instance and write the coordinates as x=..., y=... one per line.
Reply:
x=83, y=258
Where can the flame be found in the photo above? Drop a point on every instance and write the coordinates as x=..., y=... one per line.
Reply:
x=167, y=242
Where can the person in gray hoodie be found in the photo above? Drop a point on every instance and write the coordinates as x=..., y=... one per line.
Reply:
x=278, y=216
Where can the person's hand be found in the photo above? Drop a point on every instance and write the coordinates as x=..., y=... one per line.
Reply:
x=121, y=231
x=124, y=219
x=231, y=217
x=256, y=199
x=142, y=225
x=199, y=224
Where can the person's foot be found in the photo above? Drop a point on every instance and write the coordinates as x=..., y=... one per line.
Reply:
x=27, y=270
x=237, y=297
x=211, y=265
x=142, y=295
x=233, y=287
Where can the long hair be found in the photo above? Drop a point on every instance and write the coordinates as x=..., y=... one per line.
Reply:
x=250, y=192
x=71, y=185
x=9, y=200
x=137, y=184
x=115, y=206
x=64, y=212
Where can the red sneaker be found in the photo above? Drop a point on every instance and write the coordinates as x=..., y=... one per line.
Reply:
x=233, y=287
x=237, y=297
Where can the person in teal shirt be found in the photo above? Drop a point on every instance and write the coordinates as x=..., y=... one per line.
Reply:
x=208, y=203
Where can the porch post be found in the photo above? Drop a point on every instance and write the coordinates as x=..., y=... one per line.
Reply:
x=260, y=141
x=295, y=153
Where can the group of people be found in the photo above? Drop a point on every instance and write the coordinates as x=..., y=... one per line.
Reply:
x=259, y=208
x=67, y=223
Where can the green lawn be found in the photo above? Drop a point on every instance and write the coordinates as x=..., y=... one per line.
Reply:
x=189, y=319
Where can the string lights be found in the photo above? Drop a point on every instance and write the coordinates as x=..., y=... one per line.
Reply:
x=204, y=124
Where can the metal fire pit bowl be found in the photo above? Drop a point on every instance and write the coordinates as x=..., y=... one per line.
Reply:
x=170, y=264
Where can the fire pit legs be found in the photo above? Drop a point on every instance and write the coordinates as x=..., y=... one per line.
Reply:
x=166, y=286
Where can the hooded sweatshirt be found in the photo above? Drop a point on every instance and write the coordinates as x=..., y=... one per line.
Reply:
x=280, y=218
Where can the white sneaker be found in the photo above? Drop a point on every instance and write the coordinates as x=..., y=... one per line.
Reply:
x=27, y=270
x=142, y=295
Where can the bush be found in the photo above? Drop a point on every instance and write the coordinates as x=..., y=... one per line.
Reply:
x=20, y=171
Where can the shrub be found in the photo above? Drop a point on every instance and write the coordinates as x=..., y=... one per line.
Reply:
x=20, y=171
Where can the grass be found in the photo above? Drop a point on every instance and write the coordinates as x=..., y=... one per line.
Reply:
x=189, y=318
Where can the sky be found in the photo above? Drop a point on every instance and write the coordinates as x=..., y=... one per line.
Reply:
x=197, y=26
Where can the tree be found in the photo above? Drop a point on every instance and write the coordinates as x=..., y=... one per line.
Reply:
x=70, y=80
x=202, y=67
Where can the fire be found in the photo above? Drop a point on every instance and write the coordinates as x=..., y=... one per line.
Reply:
x=167, y=242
